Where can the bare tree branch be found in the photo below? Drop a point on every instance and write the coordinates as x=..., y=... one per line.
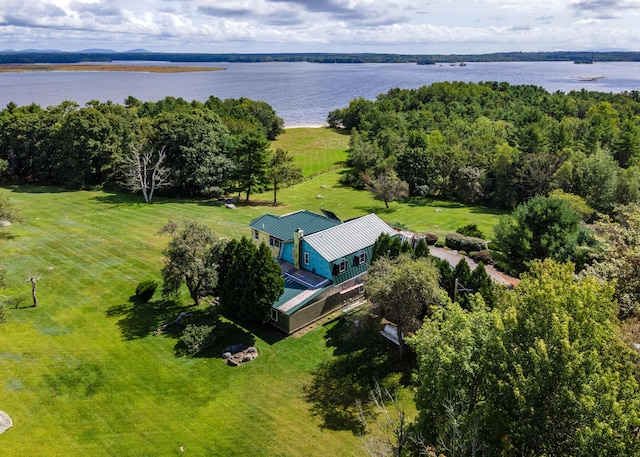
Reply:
x=145, y=171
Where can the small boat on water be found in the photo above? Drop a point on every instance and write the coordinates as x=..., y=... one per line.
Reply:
x=588, y=78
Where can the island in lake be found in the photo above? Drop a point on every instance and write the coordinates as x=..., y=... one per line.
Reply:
x=103, y=67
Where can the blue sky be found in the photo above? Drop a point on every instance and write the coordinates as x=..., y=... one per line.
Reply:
x=394, y=26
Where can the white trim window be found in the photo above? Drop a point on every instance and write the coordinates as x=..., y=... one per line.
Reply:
x=306, y=258
x=362, y=258
x=274, y=314
x=342, y=266
x=256, y=234
x=274, y=242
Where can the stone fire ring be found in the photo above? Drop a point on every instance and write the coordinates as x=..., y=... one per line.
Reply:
x=5, y=422
x=239, y=353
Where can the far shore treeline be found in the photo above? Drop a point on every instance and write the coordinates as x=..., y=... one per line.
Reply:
x=28, y=57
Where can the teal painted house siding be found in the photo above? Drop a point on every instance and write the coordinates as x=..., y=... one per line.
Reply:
x=353, y=268
x=317, y=264
x=286, y=253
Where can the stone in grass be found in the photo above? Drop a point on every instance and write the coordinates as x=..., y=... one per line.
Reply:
x=227, y=355
x=5, y=422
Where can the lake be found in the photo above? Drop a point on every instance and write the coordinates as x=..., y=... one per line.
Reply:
x=302, y=93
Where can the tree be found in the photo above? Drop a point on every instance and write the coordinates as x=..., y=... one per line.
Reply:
x=404, y=289
x=252, y=161
x=543, y=373
x=8, y=212
x=626, y=149
x=540, y=228
x=387, y=187
x=389, y=427
x=191, y=258
x=453, y=349
x=250, y=280
x=145, y=171
x=33, y=279
x=282, y=171
x=620, y=260
x=198, y=151
x=382, y=247
x=596, y=179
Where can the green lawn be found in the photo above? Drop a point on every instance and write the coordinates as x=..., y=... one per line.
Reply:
x=315, y=150
x=83, y=374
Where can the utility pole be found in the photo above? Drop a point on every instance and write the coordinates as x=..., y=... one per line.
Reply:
x=459, y=287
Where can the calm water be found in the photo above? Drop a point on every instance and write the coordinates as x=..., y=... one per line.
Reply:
x=302, y=93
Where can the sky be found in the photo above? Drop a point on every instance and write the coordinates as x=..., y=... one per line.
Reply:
x=274, y=26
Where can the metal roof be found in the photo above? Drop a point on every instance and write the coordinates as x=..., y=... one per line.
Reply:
x=349, y=237
x=283, y=227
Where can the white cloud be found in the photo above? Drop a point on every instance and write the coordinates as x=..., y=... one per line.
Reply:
x=320, y=25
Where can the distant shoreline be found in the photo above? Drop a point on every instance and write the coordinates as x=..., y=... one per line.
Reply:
x=305, y=126
x=16, y=68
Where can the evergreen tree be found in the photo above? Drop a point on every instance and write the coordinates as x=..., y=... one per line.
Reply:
x=250, y=280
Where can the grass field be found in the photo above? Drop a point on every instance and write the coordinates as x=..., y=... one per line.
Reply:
x=84, y=374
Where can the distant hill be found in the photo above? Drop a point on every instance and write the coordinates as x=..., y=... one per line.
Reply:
x=97, y=51
x=138, y=51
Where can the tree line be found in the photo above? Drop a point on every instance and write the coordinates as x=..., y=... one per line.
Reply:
x=88, y=56
x=190, y=149
x=496, y=143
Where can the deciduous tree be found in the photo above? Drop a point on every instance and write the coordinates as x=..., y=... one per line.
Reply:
x=405, y=289
x=146, y=172
x=191, y=258
x=543, y=373
x=387, y=187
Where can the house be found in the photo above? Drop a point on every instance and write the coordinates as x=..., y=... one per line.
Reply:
x=323, y=261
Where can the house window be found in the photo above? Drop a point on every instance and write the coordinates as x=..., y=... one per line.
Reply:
x=274, y=242
x=306, y=258
x=342, y=267
x=274, y=314
x=362, y=258
x=256, y=235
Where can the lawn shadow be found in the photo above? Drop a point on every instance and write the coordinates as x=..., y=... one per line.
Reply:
x=426, y=201
x=225, y=333
x=5, y=235
x=264, y=332
x=362, y=357
x=137, y=200
x=138, y=319
x=381, y=209
x=38, y=189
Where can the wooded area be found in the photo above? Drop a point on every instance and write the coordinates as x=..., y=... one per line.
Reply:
x=497, y=143
x=195, y=148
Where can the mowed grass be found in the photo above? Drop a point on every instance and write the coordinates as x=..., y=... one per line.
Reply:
x=315, y=150
x=84, y=374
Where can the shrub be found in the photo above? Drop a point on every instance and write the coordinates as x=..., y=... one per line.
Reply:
x=454, y=240
x=465, y=243
x=483, y=256
x=431, y=238
x=3, y=313
x=469, y=244
x=471, y=230
x=198, y=337
x=440, y=244
x=146, y=289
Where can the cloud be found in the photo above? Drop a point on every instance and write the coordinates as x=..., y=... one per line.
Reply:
x=319, y=25
x=604, y=9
